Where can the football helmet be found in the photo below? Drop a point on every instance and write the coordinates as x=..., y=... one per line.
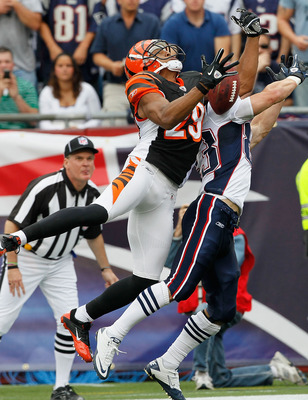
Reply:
x=147, y=55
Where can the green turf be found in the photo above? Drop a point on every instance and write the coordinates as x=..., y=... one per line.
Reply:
x=145, y=390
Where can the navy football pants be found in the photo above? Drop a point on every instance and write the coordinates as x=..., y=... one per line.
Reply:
x=207, y=254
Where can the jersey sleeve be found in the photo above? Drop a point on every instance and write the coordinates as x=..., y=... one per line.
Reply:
x=139, y=85
x=239, y=113
x=242, y=111
x=28, y=206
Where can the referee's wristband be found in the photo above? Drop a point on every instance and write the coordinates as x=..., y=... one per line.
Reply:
x=103, y=269
x=12, y=266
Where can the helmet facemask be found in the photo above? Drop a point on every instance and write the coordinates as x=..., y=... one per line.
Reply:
x=148, y=55
x=155, y=55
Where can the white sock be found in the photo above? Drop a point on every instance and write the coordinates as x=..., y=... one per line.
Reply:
x=64, y=364
x=150, y=300
x=22, y=236
x=82, y=315
x=197, y=329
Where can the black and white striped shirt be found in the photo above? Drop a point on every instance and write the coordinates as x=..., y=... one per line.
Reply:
x=46, y=195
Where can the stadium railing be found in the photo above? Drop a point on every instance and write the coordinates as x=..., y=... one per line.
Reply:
x=297, y=111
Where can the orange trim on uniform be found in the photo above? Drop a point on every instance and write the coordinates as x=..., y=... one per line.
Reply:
x=119, y=183
x=139, y=85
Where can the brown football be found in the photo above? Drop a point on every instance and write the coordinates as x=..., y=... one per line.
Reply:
x=224, y=95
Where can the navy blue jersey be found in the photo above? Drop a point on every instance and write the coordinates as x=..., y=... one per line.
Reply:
x=267, y=11
x=69, y=21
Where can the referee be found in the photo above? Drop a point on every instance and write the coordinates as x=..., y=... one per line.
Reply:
x=48, y=263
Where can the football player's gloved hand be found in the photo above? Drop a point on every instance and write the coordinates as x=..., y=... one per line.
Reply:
x=283, y=71
x=215, y=72
x=249, y=22
x=298, y=68
x=294, y=67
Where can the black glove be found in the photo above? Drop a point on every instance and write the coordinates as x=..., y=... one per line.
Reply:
x=293, y=67
x=215, y=72
x=249, y=23
x=283, y=71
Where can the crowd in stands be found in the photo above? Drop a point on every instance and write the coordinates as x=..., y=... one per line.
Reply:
x=95, y=36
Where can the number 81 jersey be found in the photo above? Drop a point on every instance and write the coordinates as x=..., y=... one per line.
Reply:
x=172, y=151
x=224, y=159
x=69, y=21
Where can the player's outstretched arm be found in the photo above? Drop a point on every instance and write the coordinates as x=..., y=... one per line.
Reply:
x=262, y=124
x=250, y=24
x=168, y=114
x=279, y=90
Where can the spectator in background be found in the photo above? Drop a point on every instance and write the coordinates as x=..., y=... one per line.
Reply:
x=267, y=11
x=66, y=93
x=298, y=36
x=70, y=27
x=18, y=20
x=302, y=187
x=48, y=264
x=265, y=60
x=115, y=36
x=161, y=8
x=226, y=8
x=197, y=32
x=17, y=95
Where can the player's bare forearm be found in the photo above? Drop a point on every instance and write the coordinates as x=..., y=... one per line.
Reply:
x=168, y=114
x=262, y=124
x=272, y=94
x=247, y=68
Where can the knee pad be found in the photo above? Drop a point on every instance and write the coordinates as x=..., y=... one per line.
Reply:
x=223, y=315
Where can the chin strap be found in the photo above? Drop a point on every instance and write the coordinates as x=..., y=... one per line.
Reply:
x=172, y=65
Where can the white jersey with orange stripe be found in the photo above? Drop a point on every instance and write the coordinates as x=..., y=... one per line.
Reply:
x=224, y=159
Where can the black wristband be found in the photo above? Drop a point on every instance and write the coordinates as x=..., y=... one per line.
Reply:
x=202, y=89
x=12, y=267
x=103, y=269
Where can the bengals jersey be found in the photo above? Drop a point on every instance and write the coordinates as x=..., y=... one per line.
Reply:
x=224, y=160
x=172, y=151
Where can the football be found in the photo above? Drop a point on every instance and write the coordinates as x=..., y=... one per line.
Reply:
x=224, y=95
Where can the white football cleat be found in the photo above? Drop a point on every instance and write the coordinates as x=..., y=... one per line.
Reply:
x=105, y=351
x=167, y=378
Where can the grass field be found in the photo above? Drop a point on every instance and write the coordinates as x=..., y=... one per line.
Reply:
x=151, y=390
